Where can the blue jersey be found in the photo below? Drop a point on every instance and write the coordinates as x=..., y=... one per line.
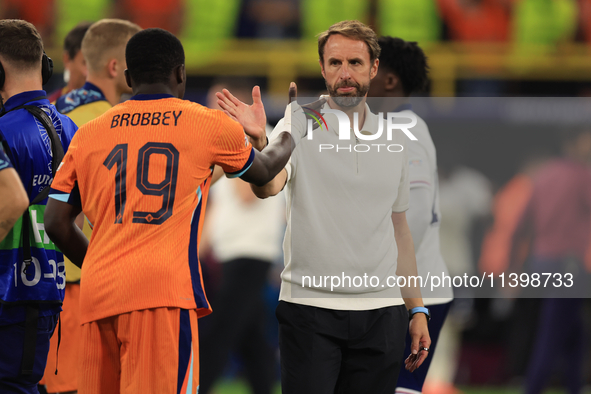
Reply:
x=28, y=147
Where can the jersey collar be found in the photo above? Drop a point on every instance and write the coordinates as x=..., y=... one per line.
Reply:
x=90, y=86
x=156, y=96
x=22, y=98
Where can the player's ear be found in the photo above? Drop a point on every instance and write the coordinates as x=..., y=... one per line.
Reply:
x=180, y=74
x=127, y=77
x=391, y=81
x=112, y=68
x=322, y=68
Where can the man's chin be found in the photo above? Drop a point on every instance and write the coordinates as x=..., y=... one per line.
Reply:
x=347, y=101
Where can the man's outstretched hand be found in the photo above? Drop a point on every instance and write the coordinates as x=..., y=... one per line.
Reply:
x=252, y=117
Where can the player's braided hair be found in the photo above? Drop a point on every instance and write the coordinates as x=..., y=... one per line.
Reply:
x=407, y=60
x=152, y=55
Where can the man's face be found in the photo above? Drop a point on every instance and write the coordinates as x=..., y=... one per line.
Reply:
x=77, y=70
x=347, y=69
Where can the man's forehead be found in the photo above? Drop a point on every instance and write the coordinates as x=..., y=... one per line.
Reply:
x=339, y=46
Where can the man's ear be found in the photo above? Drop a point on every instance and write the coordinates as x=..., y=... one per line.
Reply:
x=66, y=58
x=322, y=68
x=127, y=77
x=112, y=68
x=374, y=69
x=180, y=74
x=391, y=81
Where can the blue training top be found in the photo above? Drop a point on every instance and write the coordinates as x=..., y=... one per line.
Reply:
x=29, y=150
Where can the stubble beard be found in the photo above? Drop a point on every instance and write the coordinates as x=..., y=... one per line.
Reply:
x=347, y=100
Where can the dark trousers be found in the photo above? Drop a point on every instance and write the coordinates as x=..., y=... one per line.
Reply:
x=12, y=338
x=325, y=351
x=560, y=340
x=238, y=324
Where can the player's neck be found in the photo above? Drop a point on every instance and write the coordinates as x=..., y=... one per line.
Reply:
x=107, y=86
x=14, y=86
x=153, y=88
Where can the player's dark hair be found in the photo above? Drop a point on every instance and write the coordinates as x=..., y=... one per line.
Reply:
x=20, y=43
x=73, y=40
x=407, y=60
x=152, y=55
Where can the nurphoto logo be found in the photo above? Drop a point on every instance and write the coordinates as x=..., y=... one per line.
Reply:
x=344, y=127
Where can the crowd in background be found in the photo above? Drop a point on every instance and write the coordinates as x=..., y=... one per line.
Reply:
x=529, y=22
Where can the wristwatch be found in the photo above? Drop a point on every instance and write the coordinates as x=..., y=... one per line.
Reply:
x=419, y=309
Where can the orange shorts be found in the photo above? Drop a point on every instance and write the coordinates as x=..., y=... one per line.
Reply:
x=67, y=362
x=148, y=351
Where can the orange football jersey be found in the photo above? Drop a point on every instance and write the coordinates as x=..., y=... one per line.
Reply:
x=141, y=173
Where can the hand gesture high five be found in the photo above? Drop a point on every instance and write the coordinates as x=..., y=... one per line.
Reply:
x=295, y=118
x=251, y=117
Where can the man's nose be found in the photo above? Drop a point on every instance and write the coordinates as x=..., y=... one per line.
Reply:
x=345, y=74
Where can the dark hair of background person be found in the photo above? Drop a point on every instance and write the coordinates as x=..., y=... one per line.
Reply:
x=73, y=40
x=152, y=55
x=407, y=60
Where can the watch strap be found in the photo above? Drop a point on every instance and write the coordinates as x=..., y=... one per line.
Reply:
x=419, y=309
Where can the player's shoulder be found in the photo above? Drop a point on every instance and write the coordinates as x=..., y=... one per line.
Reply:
x=85, y=113
x=95, y=125
x=202, y=111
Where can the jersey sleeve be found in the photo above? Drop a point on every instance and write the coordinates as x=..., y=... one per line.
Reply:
x=419, y=168
x=232, y=151
x=402, y=200
x=65, y=185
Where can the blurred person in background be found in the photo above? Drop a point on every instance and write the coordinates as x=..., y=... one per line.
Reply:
x=509, y=205
x=476, y=20
x=245, y=235
x=40, y=13
x=585, y=20
x=465, y=201
x=557, y=220
x=14, y=197
x=103, y=48
x=165, y=14
x=403, y=71
x=34, y=138
x=74, y=64
x=269, y=19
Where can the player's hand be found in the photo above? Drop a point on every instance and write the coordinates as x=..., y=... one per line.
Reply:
x=419, y=334
x=252, y=117
x=295, y=120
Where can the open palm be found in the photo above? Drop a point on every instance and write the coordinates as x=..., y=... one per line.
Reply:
x=251, y=117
